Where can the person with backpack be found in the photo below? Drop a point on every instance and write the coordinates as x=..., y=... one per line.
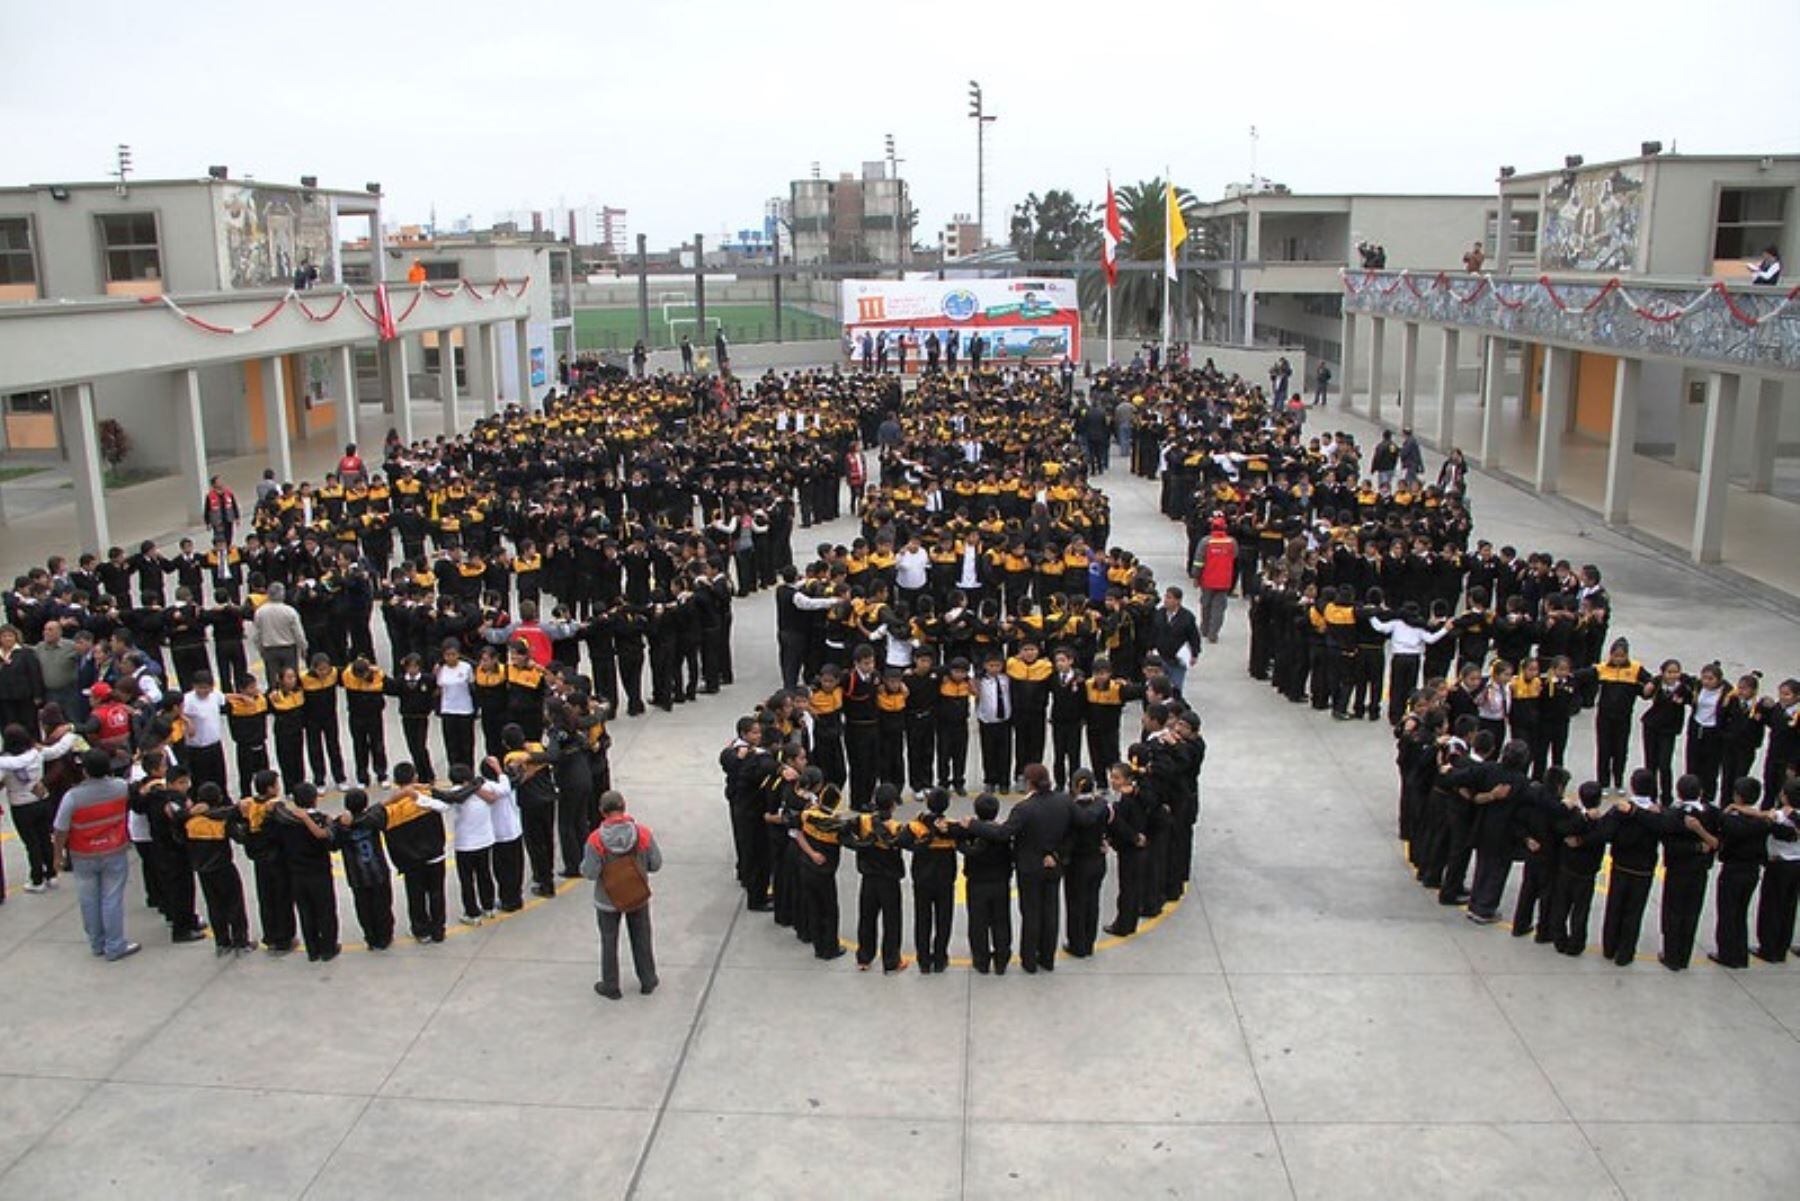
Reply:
x=618, y=858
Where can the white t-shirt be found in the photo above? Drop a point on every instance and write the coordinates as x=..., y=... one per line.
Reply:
x=505, y=809
x=911, y=568
x=454, y=694
x=204, y=717
x=474, y=820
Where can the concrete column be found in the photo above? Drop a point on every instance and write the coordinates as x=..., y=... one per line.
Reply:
x=1501, y=257
x=700, y=293
x=190, y=441
x=1715, y=468
x=447, y=381
x=480, y=359
x=75, y=412
x=1377, y=364
x=275, y=418
x=1558, y=371
x=1493, y=398
x=1767, y=434
x=1446, y=423
x=400, y=391
x=1347, y=367
x=522, y=333
x=1621, y=451
x=343, y=391
x=1250, y=317
x=1409, y=372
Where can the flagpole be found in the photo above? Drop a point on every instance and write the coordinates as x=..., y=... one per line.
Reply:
x=1107, y=217
x=1109, y=350
x=1168, y=257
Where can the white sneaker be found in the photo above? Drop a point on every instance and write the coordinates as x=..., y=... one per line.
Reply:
x=470, y=921
x=50, y=883
x=342, y=786
x=34, y=888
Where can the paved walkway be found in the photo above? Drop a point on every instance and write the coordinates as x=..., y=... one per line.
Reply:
x=1307, y=1023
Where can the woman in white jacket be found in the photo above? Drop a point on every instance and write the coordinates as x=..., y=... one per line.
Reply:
x=22, y=776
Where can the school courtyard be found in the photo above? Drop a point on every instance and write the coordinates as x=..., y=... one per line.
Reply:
x=1308, y=1022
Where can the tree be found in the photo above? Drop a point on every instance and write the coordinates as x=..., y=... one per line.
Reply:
x=1137, y=299
x=1054, y=227
x=115, y=443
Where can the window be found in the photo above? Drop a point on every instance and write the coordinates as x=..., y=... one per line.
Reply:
x=17, y=263
x=444, y=269
x=358, y=273
x=1524, y=234
x=21, y=403
x=128, y=243
x=1749, y=220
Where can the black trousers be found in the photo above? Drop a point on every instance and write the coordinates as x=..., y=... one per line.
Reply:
x=323, y=750
x=1369, y=662
x=576, y=817
x=1459, y=817
x=934, y=910
x=375, y=912
x=1133, y=862
x=206, y=764
x=539, y=821
x=175, y=876
x=1775, y=911
x=1612, y=743
x=1493, y=863
x=234, y=668
x=275, y=903
x=509, y=873
x=1065, y=750
x=890, y=762
x=862, y=747
x=1627, y=892
x=252, y=757
x=1039, y=912
x=290, y=753
x=1533, y=905
x=878, y=917
x=1103, y=740
x=921, y=751
x=1081, y=898
x=996, y=754
x=224, y=892
x=791, y=651
x=1731, y=905
x=33, y=820
x=459, y=738
x=1659, y=757
x=475, y=880
x=315, y=898
x=1571, y=898
x=989, y=903
x=368, y=747
x=953, y=754
x=418, y=745
x=425, y=901
x=1705, y=756
x=1028, y=740
x=819, y=906
x=1684, y=894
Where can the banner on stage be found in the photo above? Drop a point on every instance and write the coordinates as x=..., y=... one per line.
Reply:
x=1023, y=320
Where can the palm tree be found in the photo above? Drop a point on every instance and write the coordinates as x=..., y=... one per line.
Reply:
x=1137, y=298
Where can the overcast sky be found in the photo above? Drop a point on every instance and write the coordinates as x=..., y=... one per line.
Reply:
x=691, y=114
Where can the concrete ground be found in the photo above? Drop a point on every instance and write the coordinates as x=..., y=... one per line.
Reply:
x=1307, y=1023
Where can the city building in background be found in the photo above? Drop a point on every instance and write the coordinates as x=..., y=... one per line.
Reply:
x=959, y=238
x=852, y=219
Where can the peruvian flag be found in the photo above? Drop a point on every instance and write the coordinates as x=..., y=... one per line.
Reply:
x=385, y=329
x=1110, y=237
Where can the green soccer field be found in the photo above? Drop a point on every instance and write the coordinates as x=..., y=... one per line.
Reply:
x=617, y=328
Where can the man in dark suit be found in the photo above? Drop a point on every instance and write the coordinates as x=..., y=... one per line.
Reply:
x=1173, y=628
x=1039, y=828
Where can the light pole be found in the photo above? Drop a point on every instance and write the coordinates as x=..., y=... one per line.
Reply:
x=981, y=118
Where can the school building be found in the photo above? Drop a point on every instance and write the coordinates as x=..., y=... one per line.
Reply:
x=1625, y=361
x=170, y=307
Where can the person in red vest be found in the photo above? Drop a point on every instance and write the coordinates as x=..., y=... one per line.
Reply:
x=221, y=509
x=351, y=470
x=109, y=723
x=1215, y=567
x=538, y=636
x=90, y=828
x=855, y=475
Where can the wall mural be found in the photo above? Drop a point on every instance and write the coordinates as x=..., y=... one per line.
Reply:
x=1592, y=220
x=265, y=233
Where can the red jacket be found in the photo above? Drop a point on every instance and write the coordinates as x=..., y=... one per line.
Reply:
x=1218, y=562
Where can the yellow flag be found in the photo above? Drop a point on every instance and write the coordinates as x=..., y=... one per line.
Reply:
x=1177, y=229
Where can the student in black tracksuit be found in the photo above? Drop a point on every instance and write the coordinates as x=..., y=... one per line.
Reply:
x=923, y=685
x=274, y=891
x=306, y=845
x=988, y=872
x=414, y=833
x=954, y=693
x=1781, y=874
x=1635, y=832
x=365, y=690
x=532, y=767
x=816, y=837
x=1086, y=873
x=1690, y=839
x=1744, y=830
x=1621, y=681
x=247, y=718
x=208, y=829
x=1535, y=820
x=357, y=838
x=417, y=691
x=932, y=841
x=1583, y=847
x=1663, y=720
x=875, y=836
